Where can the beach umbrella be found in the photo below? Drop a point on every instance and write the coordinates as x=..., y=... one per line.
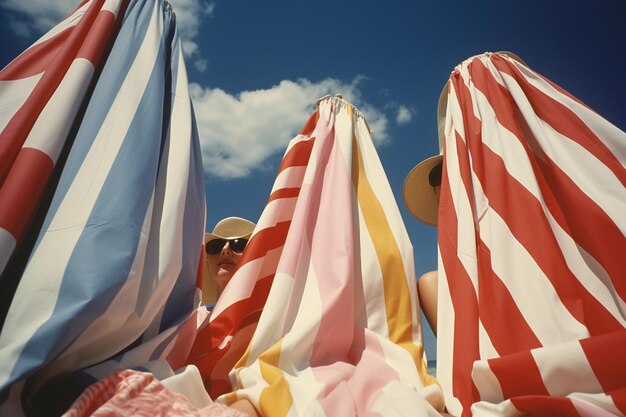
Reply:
x=531, y=243
x=320, y=317
x=111, y=280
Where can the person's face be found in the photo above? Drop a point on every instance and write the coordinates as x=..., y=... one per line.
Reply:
x=221, y=265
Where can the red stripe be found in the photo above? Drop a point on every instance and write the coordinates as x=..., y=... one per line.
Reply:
x=205, y=353
x=563, y=120
x=523, y=213
x=16, y=131
x=498, y=311
x=284, y=193
x=36, y=59
x=264, y=241
x=98, y=37
x=518, y=375
x=619, y=398
x=545, y=406
x=464, y=301
x=605, y=354
x=310, y=124
x=298, y=155
x=22, y=189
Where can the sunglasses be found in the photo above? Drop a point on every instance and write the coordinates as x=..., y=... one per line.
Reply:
x=215, y=246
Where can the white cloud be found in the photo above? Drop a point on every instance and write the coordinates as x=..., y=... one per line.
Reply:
x=35, y=17
x=238, y=134
x=404, y=115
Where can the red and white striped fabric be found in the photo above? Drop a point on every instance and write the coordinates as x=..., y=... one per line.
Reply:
x=43, y=90
x=320, y=317
x=532, y=224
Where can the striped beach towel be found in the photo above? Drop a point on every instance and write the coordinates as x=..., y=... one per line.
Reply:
x=111, y=281
x=532, y=224
x=320, y=317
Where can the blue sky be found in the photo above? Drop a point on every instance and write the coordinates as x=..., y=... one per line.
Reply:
x=256, y=69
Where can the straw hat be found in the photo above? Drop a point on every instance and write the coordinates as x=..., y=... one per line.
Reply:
x=231, y=228
x=419, y=196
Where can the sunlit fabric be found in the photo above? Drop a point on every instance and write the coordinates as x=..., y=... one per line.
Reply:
x=320, y=317
x=111, y=281
x=531, y=242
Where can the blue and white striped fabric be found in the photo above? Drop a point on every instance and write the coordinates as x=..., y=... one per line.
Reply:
x=111, y=282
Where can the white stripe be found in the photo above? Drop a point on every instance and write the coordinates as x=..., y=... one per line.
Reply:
x=502, y=409
x=289, y=178
x=250, y=378
x=303, y=314
x=466, y=239
x=565, y=368
x=485, y=346
x=379, y=183
x=594, y=405
x=486, y=382
x=445, y=339
x=14, y=94
x=50, y=130
x=22, y=320
x=281, y=209
x=171, y=189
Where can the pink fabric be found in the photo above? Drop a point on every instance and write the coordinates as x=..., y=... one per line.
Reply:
x=137, y=394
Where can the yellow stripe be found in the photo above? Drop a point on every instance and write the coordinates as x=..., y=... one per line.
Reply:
x=275, y=400
x=397, y=299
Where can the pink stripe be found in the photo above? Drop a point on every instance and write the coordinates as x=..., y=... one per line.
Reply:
x=353, y=386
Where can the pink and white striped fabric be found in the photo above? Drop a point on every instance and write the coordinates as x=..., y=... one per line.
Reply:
x=139, y=394
x=43, y=90
x=320, y=317
x=532, y=224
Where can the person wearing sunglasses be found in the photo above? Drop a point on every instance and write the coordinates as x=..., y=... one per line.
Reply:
x=222, y=249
